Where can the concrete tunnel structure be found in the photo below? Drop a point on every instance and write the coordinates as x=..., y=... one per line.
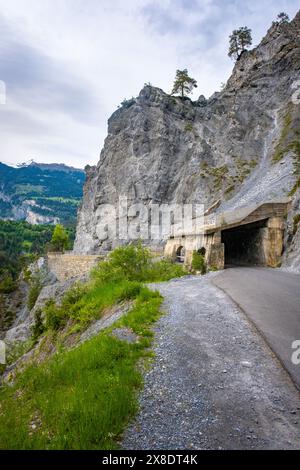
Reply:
x=247, y=236
x=252, y=235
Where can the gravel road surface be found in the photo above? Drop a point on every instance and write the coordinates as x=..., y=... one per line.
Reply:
x=214, y=383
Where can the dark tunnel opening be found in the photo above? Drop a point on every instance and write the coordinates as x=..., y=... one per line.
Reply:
x=244, y=244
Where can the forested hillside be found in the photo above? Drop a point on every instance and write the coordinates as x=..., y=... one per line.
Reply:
x=40, y=193
x=20, y=244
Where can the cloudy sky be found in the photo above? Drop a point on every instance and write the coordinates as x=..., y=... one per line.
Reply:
x=67, y=64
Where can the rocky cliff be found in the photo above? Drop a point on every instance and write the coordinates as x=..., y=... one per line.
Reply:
x=238, y=147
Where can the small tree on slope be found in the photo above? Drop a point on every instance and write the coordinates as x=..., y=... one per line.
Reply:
x=283, y=18
x=239, y=40
x=183, y=84
x=60, y=239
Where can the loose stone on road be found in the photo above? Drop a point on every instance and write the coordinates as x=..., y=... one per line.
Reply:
x=214, y=383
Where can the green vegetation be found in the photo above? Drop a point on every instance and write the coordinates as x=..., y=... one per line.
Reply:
x=60, y=239
x=20, y=244
x=295, y=147
x=213, y=268
x=6, y=315
x=7, y=284
x=198, y=262
x=218, y=174
x=188, y=127
x=239, y=40
x=38, y=327
x=183, y=84
x=84, y=397
x=296, y=221
x=19, y=348
x=43, y=200
x=289, y=140
x=127, y=103
x=28, y=189
x=222, y=179
x=34, y=291
x=118, y=279
x=295, y=188
x=229, y=189
x=243, y=169
x=282, y=18
x=55, y=189
x=282, y=145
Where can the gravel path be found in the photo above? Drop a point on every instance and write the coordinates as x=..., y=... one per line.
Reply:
x=214, y=383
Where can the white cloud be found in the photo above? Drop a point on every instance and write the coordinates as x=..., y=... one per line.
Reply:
x=69, y=63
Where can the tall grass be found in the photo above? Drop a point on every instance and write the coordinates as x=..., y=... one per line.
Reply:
x=83, y=398
x=119, y=278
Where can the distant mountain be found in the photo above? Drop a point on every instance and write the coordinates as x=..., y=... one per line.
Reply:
x=49, y=166
x=40, y=192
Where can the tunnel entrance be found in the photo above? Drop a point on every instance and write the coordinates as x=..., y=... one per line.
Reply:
x=244, y=244
x=180, y=254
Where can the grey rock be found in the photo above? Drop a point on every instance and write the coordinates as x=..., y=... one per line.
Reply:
x=125, y=334
x=157, y=144
x=53, y=289
x=115, y=313
x=291, y=258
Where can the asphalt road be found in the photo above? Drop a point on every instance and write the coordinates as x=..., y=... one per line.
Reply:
x=271, y=300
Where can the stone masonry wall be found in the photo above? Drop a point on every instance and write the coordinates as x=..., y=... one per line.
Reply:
x=67, y=265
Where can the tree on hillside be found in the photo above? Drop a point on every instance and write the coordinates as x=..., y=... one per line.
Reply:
x=60, y=239
x=183, y=84
x=239, y=40
x=283, y=18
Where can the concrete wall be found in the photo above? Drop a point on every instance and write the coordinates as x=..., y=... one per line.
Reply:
x=265, y=247
x=273, y=241
x=211, y=242
x=67, y=265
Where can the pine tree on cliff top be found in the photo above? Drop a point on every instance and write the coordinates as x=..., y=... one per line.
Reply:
x=239, y=40
x=283, y=18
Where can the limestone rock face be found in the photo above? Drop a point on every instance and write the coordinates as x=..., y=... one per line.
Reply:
x=234, y=147
x=291, y=257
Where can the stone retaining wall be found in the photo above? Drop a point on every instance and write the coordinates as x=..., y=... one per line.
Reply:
x=68, y=265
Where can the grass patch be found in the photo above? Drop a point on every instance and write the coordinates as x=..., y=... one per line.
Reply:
x=34, y=291
x=198, y=261
x=83, y=398
x=118, y=279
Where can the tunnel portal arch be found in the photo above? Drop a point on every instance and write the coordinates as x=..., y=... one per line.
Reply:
x=244, y=245
x=247, y=235
x=180, y=254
